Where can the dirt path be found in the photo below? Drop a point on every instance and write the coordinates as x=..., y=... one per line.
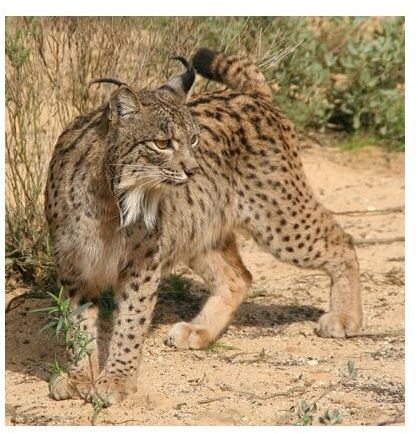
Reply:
x=269, y=360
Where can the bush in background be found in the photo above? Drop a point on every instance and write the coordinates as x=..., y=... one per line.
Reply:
x=347, y=74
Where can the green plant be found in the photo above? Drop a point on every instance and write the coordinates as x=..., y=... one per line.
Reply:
x=302, y=76
x=62, y=318
x=216, y=346
x=98, y=406
x=357, y=140
x=16, y=47
x=370, y=98
x=305, y=413
x=352, y=371
x=258, y=293
x=330, y=417
x=177, y=287
x=348, y=73
x=56, y=368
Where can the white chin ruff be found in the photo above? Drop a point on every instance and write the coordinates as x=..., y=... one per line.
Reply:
x=140, y=203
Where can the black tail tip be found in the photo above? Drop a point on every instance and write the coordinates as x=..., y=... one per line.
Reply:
x=202, y=62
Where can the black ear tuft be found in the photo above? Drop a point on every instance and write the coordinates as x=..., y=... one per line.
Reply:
x=188, y=77
x=179, y=86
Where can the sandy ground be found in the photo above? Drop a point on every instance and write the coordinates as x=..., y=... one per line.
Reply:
x=269, y=360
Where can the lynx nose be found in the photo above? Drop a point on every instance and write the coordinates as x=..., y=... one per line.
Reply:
x=190, y=168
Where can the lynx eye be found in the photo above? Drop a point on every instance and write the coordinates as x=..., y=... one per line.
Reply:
x=163, y=144
x=194, y=141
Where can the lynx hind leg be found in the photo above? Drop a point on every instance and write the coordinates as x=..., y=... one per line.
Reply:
x=345, y=314
x=84, y=367
x=330, y=249
x=229, y=280
x=306, y=235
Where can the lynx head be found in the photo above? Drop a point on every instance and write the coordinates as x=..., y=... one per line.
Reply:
x=150, y=141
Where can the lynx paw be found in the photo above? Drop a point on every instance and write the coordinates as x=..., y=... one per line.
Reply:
x=63, y=386
x=185, y=336
x=337, y=325
x=109, y=389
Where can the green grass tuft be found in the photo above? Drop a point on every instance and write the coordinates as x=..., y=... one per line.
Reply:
x=218, y=346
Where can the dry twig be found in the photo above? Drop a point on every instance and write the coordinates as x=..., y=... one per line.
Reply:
x=373, y=241
x=13, y=305
x=207, y=401
x=398, y=419
x=359, y=213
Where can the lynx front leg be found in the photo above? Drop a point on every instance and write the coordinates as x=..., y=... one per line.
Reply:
x=224, y=271
x=136, y=298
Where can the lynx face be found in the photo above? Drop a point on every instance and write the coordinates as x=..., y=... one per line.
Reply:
x=150, y=143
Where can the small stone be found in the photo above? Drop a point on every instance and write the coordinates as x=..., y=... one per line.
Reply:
x=312, y=362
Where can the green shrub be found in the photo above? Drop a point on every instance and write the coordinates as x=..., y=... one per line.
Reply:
x=345, y=75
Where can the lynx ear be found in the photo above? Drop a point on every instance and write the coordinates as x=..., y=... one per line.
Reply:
x=179, y=86
x=124, y=103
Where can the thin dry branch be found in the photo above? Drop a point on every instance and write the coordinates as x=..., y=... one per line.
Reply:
x=398, y=419
x=377, y=335
x=12, y=304
x=373, y=241
x=122, y=422
x=207, y=401
x=397, y=259
x=359, y=213
x=298, y=391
